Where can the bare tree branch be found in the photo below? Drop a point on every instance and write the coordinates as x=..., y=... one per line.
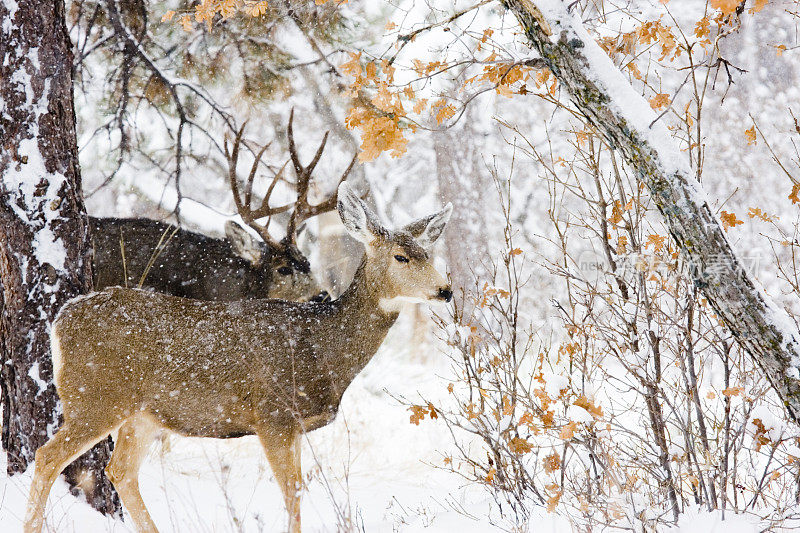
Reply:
x=595, y=85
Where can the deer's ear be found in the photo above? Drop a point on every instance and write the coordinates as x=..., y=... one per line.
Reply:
x=245, y=245
x=358, y=219
x=427, y=229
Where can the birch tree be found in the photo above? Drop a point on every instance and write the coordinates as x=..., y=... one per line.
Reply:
x=43, y=231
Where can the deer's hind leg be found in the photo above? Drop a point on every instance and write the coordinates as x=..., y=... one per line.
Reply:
x=69, y=442
x=130, y=450
x=283, y=453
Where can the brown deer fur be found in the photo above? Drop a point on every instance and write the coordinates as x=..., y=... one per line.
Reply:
x=225, y=369
x=139, y=252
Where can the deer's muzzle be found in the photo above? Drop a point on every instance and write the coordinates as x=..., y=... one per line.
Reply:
x=445, y=293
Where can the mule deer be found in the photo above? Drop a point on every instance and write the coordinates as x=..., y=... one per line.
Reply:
x=139, y=252
x=141, y=362
x=147, y=253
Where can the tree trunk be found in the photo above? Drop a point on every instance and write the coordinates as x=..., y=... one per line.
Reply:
x=623, y=117
x=43, y=231
x=464, y=181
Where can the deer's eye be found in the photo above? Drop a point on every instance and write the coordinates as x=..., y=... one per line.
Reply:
x=401, y=258
x=284, y=271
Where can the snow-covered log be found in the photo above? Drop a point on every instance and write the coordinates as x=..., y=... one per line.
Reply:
x=43, y=229
x=624, y=118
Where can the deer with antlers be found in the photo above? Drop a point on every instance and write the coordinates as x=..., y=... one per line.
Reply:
x=270, y=368
x=140, y=252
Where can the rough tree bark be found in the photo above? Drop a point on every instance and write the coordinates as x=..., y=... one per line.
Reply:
x=43, y=231
x=600, y=91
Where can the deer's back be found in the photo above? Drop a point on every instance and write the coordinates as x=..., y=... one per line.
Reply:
x=186, y=361
x=152, y=254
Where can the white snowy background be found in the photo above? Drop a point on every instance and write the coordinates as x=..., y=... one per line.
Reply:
x=372, y=469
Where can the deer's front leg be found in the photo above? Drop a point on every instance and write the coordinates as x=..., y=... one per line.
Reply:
x=282, y=447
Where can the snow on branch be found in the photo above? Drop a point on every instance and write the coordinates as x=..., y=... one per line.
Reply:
x=624, y=118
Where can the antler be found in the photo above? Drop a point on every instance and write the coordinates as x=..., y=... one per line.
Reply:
x=303, y=210
x=244, y=205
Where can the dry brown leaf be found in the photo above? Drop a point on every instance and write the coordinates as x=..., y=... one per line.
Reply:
x=750, y=135
x=552, y=502
x=660, y=100
x=733, y=391
x=568, y=431
x=729, y=220
x=586, y=403
x=793, y=196
x=726, y=6
x=551, y=463
x=520, y=446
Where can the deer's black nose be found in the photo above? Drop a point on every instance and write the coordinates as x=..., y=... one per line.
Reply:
x=446, y=294
x=324, y=296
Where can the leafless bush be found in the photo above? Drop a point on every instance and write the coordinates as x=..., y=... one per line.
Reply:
x=644, y=407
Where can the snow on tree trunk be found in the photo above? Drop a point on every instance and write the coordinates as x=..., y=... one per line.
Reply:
x=43, y=231
x=610, y=103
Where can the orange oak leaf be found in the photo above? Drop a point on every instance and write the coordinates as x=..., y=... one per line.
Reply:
x=733, y=391
x=660, y=100
x=595, y=410
x=552, y=502
x=417, y=414
x=520, y=446
x=793, y=196
x=616, y=213
x=551, y=463
x=750, y=135
x=657, y=241
x=758, y=5
x=568, y=431
x=726, y=6
x=729, y=220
